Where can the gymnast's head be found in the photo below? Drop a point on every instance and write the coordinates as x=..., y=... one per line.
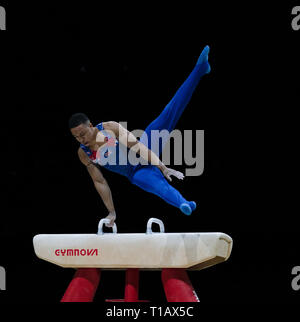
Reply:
x=82, y=129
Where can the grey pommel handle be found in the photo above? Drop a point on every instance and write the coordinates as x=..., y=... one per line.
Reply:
x=156, y=221
x=105, y=221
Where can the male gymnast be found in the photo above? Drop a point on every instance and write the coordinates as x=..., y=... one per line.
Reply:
x=106, y=144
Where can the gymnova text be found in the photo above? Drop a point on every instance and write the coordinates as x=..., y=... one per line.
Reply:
x=173, y=148
x=76, y=252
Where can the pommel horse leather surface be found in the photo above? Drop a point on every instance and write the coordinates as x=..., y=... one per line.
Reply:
x=191, y=251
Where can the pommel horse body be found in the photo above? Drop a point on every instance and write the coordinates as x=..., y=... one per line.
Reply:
x=172, y=253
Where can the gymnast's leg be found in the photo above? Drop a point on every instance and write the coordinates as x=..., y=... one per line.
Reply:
x=150, y=179
x=169, y=117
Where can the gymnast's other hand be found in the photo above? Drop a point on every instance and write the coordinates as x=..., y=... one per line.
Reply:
x=168, y=172
x=112, y=217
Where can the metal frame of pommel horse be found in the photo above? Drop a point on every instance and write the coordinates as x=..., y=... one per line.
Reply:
x=172, y=253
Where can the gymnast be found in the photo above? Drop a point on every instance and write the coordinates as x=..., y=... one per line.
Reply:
x=98, y=145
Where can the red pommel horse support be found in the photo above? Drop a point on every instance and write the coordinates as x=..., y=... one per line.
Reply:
x=172, y=253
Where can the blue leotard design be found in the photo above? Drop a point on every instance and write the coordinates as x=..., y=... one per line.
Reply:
x=112, y=156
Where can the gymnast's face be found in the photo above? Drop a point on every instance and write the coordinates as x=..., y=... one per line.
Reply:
x=84, y=134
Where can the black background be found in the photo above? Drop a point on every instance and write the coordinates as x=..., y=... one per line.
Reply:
x=124, y=62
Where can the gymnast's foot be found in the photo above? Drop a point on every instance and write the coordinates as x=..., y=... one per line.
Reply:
x=193, y=205
x=186, y=208
x=203, y=60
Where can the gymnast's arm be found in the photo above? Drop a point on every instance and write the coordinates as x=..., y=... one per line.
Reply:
x=100, y=183
x=129, y=140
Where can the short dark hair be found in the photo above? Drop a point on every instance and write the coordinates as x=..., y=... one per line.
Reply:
x=77, y=119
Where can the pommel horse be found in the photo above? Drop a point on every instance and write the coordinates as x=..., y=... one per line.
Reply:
x=172, y=253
